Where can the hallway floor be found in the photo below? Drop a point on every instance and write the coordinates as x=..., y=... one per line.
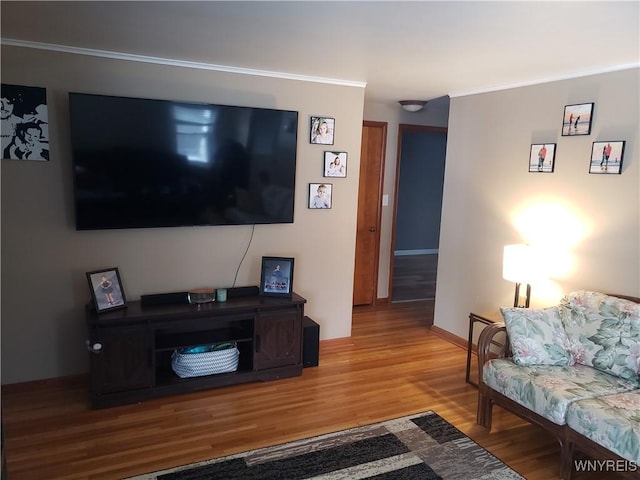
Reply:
x=414, y=278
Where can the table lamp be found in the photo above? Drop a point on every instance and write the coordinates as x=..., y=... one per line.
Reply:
x=518, y=266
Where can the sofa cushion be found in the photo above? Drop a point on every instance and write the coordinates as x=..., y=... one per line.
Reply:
x=603, y=332
x=537, y=336
x=612, y=421
x=548, y=390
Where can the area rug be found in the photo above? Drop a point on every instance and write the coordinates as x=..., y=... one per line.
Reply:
x=422, y=446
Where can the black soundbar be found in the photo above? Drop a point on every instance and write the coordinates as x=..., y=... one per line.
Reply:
x=165, y=298
x=242, y=292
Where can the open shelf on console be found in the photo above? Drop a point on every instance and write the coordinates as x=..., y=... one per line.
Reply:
x=171, y=341
x=165, y=374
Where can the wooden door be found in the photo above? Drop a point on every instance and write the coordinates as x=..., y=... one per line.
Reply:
x=365, y=282
x=278, y=339
x=124, y=361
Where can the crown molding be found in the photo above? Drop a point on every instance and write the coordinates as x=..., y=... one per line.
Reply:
x=284, y=75
x=177, y=63
x=539, y=81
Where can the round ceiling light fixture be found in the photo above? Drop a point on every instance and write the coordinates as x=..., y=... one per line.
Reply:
x=412, y=105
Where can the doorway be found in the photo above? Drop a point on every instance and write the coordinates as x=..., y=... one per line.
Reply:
x=418, y=205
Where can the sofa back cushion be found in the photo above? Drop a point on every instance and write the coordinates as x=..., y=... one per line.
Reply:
x=603, y=332
x=537, y=336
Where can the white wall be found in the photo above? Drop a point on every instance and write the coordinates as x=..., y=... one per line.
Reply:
x=491, y=200
x=44, y=259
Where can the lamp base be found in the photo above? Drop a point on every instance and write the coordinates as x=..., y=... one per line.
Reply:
x=516, y=299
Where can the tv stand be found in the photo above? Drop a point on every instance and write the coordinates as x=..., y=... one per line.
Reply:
x=130, y=349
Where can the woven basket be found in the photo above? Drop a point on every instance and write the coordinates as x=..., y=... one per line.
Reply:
x=222, y=358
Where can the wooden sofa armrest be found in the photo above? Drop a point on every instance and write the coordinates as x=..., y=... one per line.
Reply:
x=487, y=339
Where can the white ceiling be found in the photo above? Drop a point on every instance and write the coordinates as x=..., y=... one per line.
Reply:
x=400, y=50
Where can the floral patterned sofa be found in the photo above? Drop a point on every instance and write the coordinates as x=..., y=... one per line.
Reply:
x=572, y=369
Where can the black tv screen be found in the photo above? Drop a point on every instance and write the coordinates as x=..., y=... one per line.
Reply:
x=141, y=163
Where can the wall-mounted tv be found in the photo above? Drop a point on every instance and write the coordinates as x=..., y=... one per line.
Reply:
x=141, y=163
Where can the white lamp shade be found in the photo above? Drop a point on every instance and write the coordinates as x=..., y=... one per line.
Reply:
x=519, y=264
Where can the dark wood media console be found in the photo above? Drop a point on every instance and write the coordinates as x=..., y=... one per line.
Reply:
x=130, y=349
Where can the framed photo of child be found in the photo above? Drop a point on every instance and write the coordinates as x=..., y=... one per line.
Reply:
x=322, y=130
x=276, y=278
x=335, y=164
x=320, y=195
x=106, y=289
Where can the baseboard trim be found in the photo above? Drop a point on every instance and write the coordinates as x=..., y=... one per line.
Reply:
x=335, y=343
x=56, y=382
x=424, y=251
x=449, y=337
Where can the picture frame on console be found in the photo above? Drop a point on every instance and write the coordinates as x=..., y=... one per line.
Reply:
x=106, y=289
x=276, y=278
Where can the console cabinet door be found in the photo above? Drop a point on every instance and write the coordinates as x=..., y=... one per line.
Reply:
x=278, y=339
x=124, y=362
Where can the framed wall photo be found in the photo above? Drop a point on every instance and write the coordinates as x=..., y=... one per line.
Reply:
x=606, y=157
x=320, y=195
x=542, y=157
x=106, y=289
x=335, y=164
x=276, y=278
x=322, y=130
x=577, y=119
x=24, y=122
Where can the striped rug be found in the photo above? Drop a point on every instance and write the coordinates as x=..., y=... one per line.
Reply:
x=422, y=446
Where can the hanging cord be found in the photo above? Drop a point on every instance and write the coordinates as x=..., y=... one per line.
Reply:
x=253, y=228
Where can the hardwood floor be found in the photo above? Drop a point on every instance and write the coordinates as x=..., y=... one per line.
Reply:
x=414, y=278
x=393, y=365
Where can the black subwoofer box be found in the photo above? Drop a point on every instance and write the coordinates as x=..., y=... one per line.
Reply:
x=310, y=343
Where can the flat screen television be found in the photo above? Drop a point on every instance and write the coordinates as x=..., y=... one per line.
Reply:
x=143, y=163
